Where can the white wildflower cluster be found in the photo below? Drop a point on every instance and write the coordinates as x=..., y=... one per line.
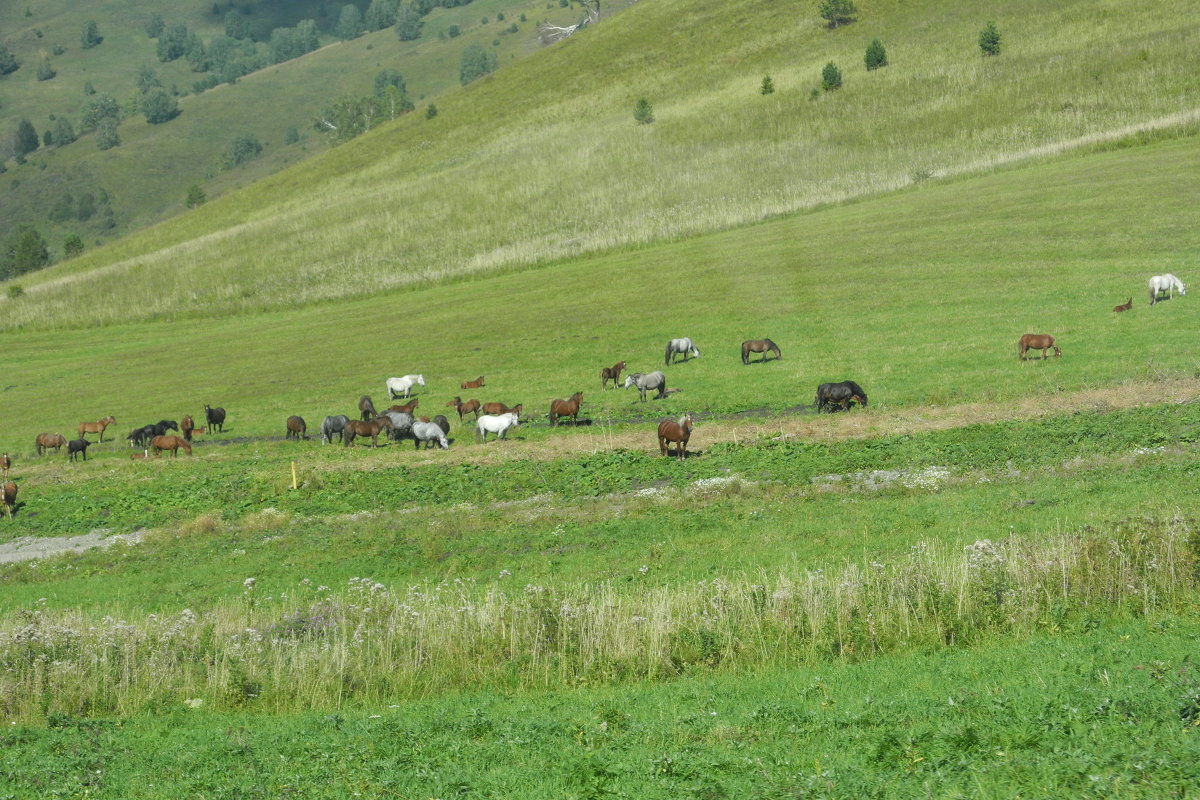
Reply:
x=984, y=554
x=714, y=485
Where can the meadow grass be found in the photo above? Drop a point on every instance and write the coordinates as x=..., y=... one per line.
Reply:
x=524, y=170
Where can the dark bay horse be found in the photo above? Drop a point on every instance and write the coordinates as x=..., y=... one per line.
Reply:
x=1037, y=341
x=370, y=428
x=45, y=441
x=172, y=443
x=763, y=346
x=1128, y=304
x=215, y=418
x=678, y=432
x=297, y=428
x=464, y=408
x=8, y=496
x=832, y=396
x=96, y=427
x=475, y=384
x=366, y=408
x=566, y=408
x=612, y=373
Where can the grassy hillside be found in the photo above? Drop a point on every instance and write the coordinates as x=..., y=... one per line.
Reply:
x=544, y=160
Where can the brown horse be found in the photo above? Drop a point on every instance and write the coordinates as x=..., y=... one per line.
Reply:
x=612, y=373
x=499, y=408
x=5, y=465
x=464, y=408
x=408, y=407
x=296, y=428
x=763, y=346
x=9, y=498
x=96, y=427
x=199, y=431
x=678, y=432
x=1037, y=341
x=1128, y=304
x=367, y=409
x=186, y=426
x=136, y=456
x=45, y=441
x=566, y=408
x=370, y=428
x=172, y=443
x=475, y=384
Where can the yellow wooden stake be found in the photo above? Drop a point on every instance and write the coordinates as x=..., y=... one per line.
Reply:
x=294, y=486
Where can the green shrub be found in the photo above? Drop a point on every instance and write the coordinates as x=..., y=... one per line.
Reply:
x=767, y=86
x=838, y=12
x=643, y=112
x=989, y=39
x=831, y=77
x=876, y=55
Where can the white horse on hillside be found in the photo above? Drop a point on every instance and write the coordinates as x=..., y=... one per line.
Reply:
x=684, y=346
x=1165, y=283
x=397, y=386
x=498, y=424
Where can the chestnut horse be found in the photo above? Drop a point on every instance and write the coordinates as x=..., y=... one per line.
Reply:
x=1125, y=307
x=45, y=441
x=496, y=409
x=464, y=408
x=186, y=426
x=371, y=428
x=5, y=465
x=96, y=427
x=9, y=498
x=408, y=407
x=367, y=409
x=172, y=443
x=612, y=373
x=566, y=408
x=297, y=428
x=763, y=346
x=1037, y=341
x=475, y=384
x=678, y=432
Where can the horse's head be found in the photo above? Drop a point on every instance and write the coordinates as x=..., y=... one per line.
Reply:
x=421, y=379
x=685, y=421
x=631, y=379
x=455, y=403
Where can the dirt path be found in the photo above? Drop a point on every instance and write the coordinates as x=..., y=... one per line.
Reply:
x=28, y=548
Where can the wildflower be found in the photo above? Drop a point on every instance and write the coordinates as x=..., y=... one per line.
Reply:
x=249, y=583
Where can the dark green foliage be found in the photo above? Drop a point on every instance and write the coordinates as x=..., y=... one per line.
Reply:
x=173, y=42
x=291, y=135
x=244, y=147
x=22, y=250
x=408, y=22
x=47, y=137
x=90, y=36
x=876, y=55
x=989, y=39
x=86, y=208
x=58, y=49
x=106, y=134
x=838, y=12
x=26, y=139
x=431, y=111
x=453, y=31
x=63, y=210
x=44, y=71
x=381, y=14
x=831, y=77
x=72, y=245
x=767, y=86
x=512, y=28
x=389, y=77
x=237, y=26
x=500, y=17
x=63, y=133
x=289, y=43
x=350, y=117
x=159, y=106
x=154, y=26
x=197, y=57
x=99, y=107
x=350, y=23
x=147, y=78
x=8, y=62
x=643, y=112
x=476, y=62
x=15, y=290
x=88, y=89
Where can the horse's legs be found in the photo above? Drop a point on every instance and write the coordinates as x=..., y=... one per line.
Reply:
x=662, y=445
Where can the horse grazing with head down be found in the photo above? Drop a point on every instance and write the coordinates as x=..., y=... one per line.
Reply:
x=683, y=345
x=96, y=427
x=355, y=428
x=832, y=396
x=1037, y=341
x=1165, y=283
x=8, y=496
x=366, y=409
x=647, y=381
x=1128, y=304
x=566, y=408
x=763, y=346
x=464, y=408
x=45, y=441
x=215, y=418
x=475, y=384
x=297, y=428
x=429, y=433
x=331, y=425
x=612, y=373
x=678, y=432
x=397, y=386
x=172, y=443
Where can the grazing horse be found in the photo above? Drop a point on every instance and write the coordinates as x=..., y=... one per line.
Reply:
x=297, y=428
x=366, y=408
x=5, y=465
x=1128, y=304
x=96, y=427
x=443, y=423
x=475, y=384
x=139, y=436
x=408, y=407
x=1037, y=341
x=1165, y=283
x=496, y=409
x=164, y=425
x=397, y=386
x=370, y=428
x=172, y=443
x=334, y=423
x=9, y=498
x=429, y=432
x=498, y=424
x=464, y=408
x=763, y=346
x=612, y=373
x=566, y=408
x=45, y=441
x=215, y=418
x=684, y=346
x=77, y=447
x=645, y=382
x=401, y=424
x=679, y=432
x=831, y=396
x=186, y=426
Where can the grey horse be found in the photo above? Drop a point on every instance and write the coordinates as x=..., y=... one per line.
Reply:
x=402, y=424
x=646, y=381
x=429, y=432
x=684, y=346
x=331, y=425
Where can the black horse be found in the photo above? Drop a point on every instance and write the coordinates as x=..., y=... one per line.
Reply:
x=140, y=436
x=832, y=396
x=215, y=417
x=77, y=447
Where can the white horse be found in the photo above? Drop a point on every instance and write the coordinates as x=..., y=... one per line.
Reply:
x=497, y=424
x=647, y=381
x=684, y=346
x=397, y=386
x=1165, y=283
x=429, y=432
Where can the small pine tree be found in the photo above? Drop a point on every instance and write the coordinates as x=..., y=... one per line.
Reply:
x=106, y=134
x=837, y=12
x=876, y=55
x=643, y=112
x=44, y=71
x=195, y=196
x=831, y=77
x=26, y=140
x=90, y=37
x=72, y=245
x=8, y=62
x=989, y=39
x=431, y=111
x=768, y=85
